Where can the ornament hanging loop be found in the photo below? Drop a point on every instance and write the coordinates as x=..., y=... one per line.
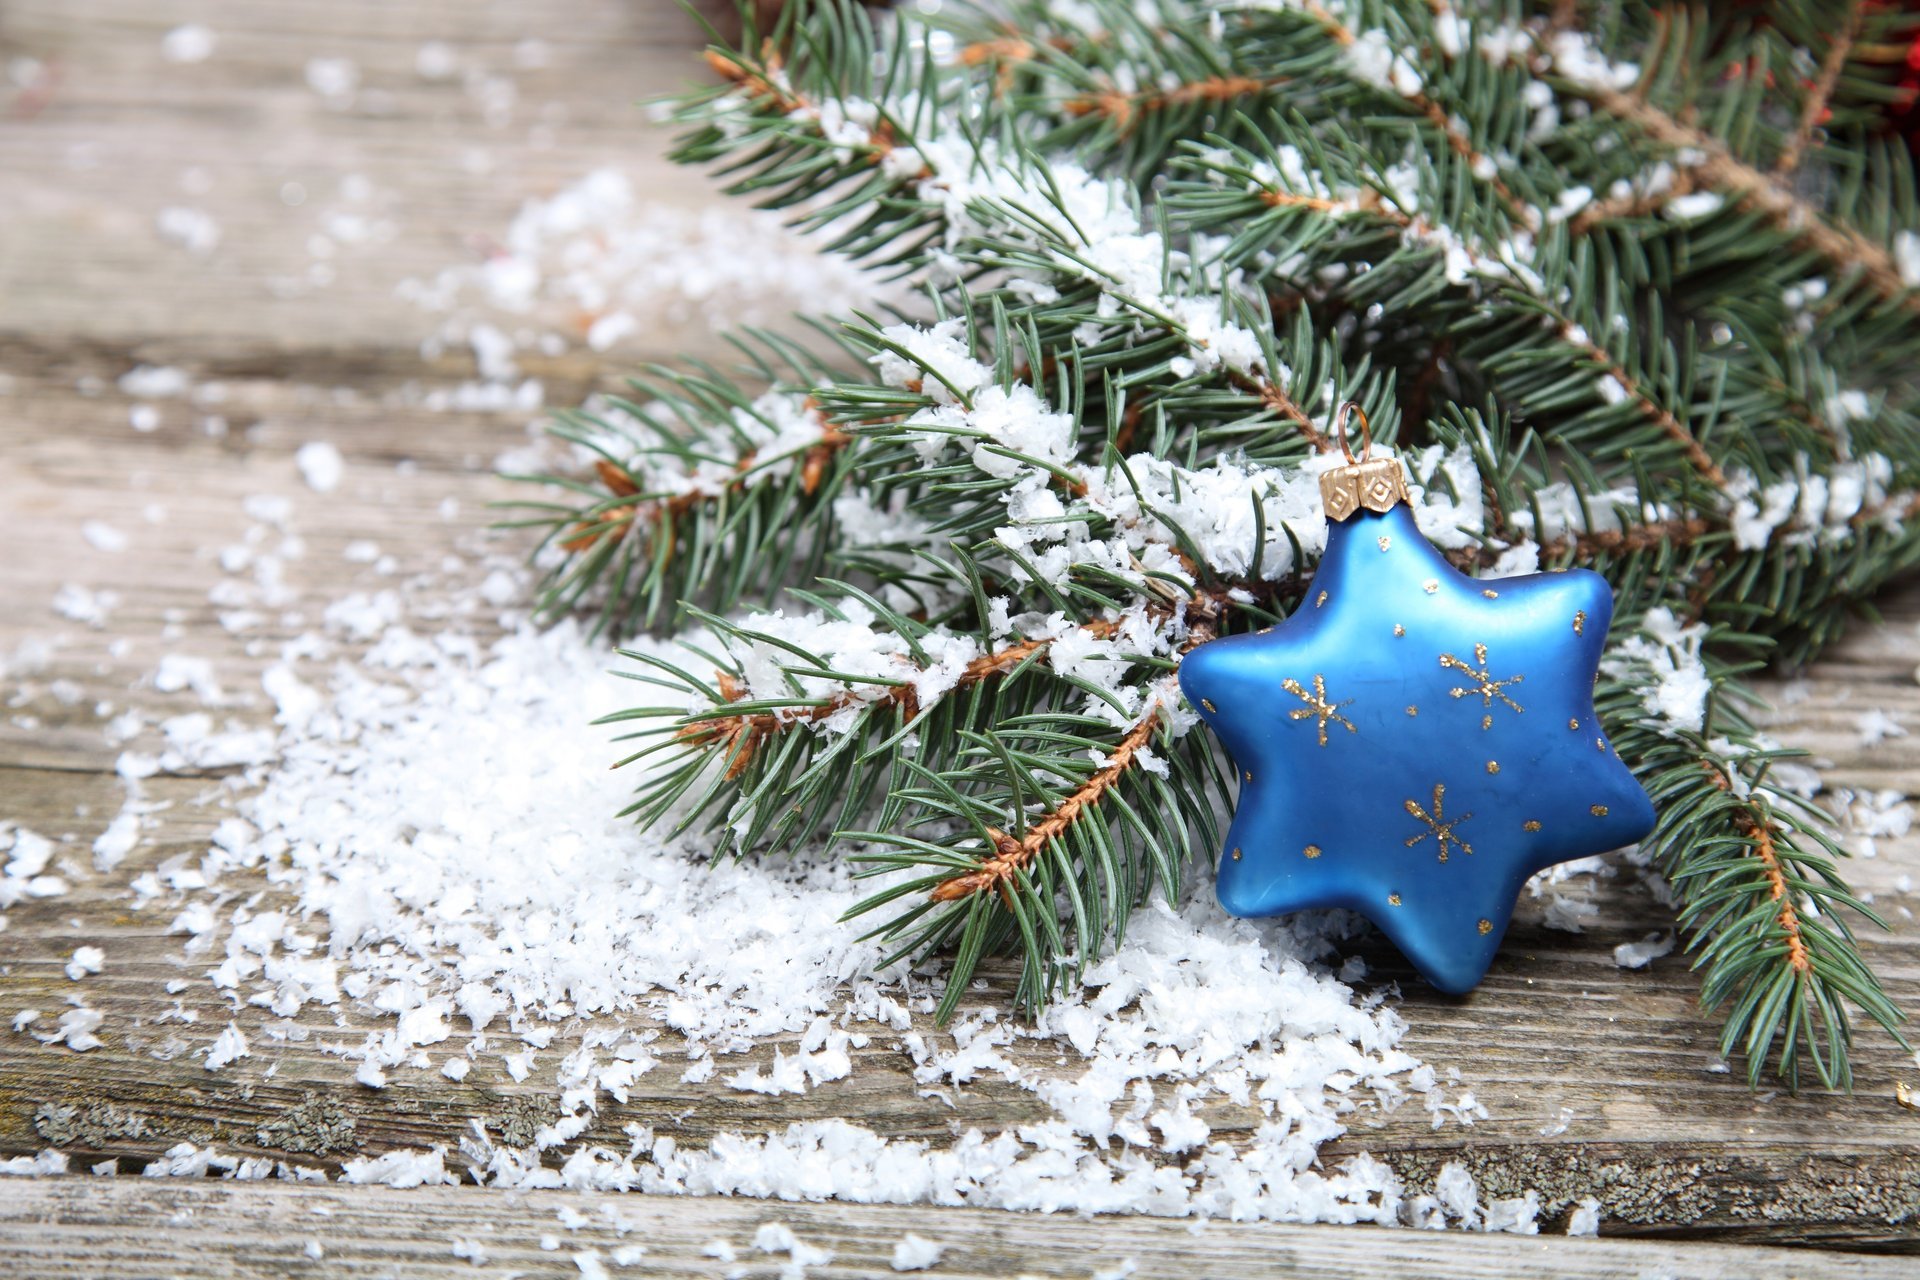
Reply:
x=1365, y=482
x=1348, y=410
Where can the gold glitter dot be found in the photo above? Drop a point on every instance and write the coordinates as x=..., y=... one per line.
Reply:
x=1493, y=766
x=1430, y=586
x=1490, y=593
x=1531, y=824
x=1486, y=926
x=1385, y=542
x=1598, y=811
x=1322, y=600
x=1249, y=775
x=1313, y=851
x=1601, y=743
x=1399, y=630
x=1208, y=704
x=1573, y=724
x=1236, y=853
x=1486, y=722
x=1393, y=899
x=1413, y=711
x=1580, y=622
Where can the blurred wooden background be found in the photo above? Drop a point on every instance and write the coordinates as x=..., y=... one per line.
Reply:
x=101, y=134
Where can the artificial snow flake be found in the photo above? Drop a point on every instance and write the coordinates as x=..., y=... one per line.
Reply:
x=230, y=1045
x=1638, y=955
x=320, y=465
x=47, y=1164
x=1906, y=257
x=85, y=960
x=103, y=537
x=191, y=42
x=915, y=1253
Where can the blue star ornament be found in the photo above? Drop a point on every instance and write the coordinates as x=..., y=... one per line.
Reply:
x=1413, y=744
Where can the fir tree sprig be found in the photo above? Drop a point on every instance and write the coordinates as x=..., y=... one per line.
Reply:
x=698, y=491
x=1768, y=915
x=1155, y=251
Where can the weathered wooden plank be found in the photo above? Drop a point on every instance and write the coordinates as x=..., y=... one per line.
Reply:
x=1666, y=1143
x=76, y=1227
x=109, y=134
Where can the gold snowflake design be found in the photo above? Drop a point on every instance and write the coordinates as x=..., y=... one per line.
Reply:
x=1318, y=708
x=1438, y=825
x=1484, y=684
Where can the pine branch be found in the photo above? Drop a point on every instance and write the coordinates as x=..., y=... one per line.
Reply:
x=1814, y=108
x=1845, y=249
x=1524, y=288
x=700, y=491
x=1762, y=903
x=1152, y=258
x=739, y=735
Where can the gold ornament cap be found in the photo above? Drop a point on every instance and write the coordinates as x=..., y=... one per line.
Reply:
x=1373, y=483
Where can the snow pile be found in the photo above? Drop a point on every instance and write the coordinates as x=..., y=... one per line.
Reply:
x=437, y=827
x=447, y=797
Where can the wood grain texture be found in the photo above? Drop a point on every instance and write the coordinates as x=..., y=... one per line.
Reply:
x=75, y=1227
x=1670, y=1145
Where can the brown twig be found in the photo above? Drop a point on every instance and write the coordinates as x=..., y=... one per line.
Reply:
x=1008, y=49
x=1275, y=397
x=1010, y=855
x=1813, y=111
x=813, y=465
x=1678, y=531
x=761, y=85
x=755, y=82
x=1288, y=200
x=1901, y=509
x=1761, y=833
x=1121, y=108
x=1632, y=205
x=1843, y=247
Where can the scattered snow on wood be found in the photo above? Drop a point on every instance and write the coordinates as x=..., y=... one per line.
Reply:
x=1638, y=955
x=85, y=960
x=915, y=1253
x=189, y=43
x=320, y=465
x=103, y=537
